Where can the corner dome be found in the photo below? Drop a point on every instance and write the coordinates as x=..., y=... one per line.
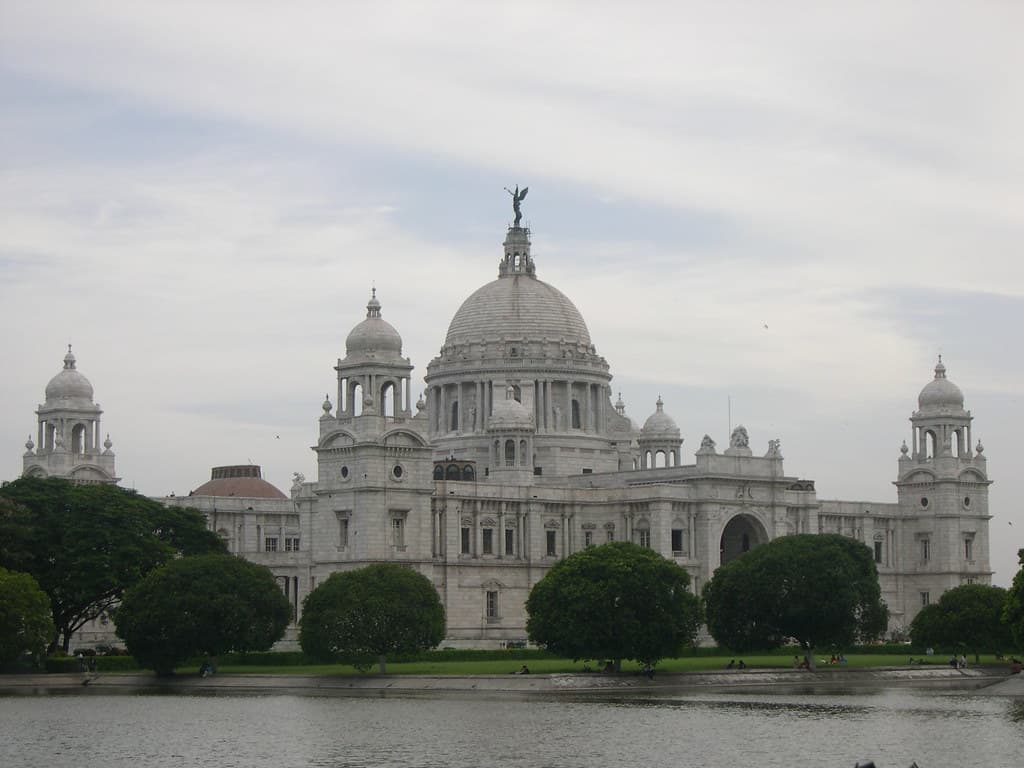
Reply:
x=940, y=393
x=517, y=306
x=374, y=337
x=242, y=480
x=659, y=423
x=69, y=384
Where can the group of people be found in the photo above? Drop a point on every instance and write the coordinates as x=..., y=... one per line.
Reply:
x=733, y=665
x=958, y=662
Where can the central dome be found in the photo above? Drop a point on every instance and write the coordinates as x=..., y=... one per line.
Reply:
x=517, y=306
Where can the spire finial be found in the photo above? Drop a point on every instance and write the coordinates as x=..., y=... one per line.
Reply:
x=940, y=369
x=69, y=359
x=373, y=305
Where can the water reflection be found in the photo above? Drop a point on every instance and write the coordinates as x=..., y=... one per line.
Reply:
x=706, y=730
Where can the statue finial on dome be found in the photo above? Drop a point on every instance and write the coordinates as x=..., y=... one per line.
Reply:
x=517, y=198
x=69, y=359
x=373, y=305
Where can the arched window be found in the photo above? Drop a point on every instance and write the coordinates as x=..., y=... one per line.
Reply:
x=510, y=453
x=78, y=439
x=929, y=444
x=576, y=414
x=517, y=393
x=467, y=473
x=522, y=453
x=357, y=399
x=438, y=473
x=673, y=459
x=659, y=459
x=647, y=460
x=955, y=442
x=452, y=472
x=387, y=399
x=453, y=424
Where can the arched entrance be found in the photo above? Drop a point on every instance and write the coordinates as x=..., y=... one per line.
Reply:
x=741, y=534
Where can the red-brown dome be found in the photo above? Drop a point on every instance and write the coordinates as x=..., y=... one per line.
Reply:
x=239, y=480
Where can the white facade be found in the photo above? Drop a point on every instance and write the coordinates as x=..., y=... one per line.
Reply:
x=516, y=457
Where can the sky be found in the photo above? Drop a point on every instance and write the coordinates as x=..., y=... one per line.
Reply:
x=774, y=214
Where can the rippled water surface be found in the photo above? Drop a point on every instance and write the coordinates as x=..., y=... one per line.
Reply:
x=709, y=730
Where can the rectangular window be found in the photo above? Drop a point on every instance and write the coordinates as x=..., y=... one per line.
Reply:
x=677, y=541
x=610, y=535
x=488, y=541
x=291, y=544
x=270, y=544
x=465, y=541
x=398, y=532
x=342, y=532
x=492, y=605
x=926, y=549
x=643, y=537
x=588, y=538
x=510, y=541
x=968, y=549
x=925, y=598
x=878, y=552
x=552, y=544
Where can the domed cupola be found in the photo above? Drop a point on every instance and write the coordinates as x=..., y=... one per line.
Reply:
x=659, y=424
x=70, y=440
x=69, y=384
x=509, y=414
x=659, y=440
x=940, y=394
x=374, y=337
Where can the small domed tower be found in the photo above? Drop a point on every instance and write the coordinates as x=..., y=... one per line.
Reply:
x=374, y=377
x=511, y=429
x=659, y=440
x=69, y=432
x=943, y=493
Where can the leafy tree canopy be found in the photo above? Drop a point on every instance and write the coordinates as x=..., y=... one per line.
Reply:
x=821, y=590
x=25, y=623
x=1013, y=609
x=370, y=613
x=85, y=544
x=206, y=604
x=969, y=617
x=616, y=601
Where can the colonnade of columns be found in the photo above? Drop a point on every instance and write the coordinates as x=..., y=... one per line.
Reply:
x=90, y=435
x=465, y=407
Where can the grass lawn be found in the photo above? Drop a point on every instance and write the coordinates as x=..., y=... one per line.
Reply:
x=550, y=666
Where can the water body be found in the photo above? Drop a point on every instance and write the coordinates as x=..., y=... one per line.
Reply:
x=893, y=727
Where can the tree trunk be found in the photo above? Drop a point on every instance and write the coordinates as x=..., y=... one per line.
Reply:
x=383, y=664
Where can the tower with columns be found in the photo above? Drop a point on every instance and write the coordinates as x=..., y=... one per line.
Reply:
x=68, y=435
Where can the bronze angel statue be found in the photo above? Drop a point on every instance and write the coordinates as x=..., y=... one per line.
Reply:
x=517, y=198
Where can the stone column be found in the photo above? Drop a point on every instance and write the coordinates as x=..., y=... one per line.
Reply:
x=500, y=545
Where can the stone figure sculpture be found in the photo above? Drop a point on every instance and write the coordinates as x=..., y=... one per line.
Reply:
x=707, y=444
x=739, y=438
x=517, y=198
x=774, y=448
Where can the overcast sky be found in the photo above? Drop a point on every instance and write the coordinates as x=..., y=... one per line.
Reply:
x=795, y=206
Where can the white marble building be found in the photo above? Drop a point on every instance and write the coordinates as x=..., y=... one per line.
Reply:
x=517, y=456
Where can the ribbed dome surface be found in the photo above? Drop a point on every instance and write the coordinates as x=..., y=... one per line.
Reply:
x=69, y=383
x=518, y=306
x=659, y=424
x=940, y=392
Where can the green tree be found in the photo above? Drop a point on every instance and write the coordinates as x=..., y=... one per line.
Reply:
x=206, y=604
x=968, y=617
x=371, y=613
x=616, y=601
x=25, y=623
x=1013, y=608
x=85, y=544
x=820, y=590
